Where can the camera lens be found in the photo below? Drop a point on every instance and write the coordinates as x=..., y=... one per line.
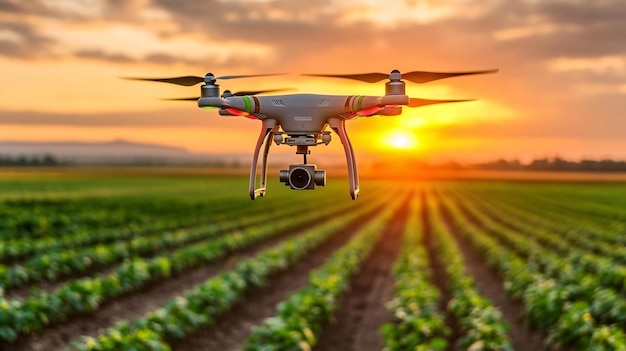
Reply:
x=299, y=178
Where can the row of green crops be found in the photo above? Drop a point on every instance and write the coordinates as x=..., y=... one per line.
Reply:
x=199, y=306
x=575, y=310
x=583, y=282
x=603, y=260
x=582, y=232
x=39, y=219
x=417, y=323
x=142, y=202
x=559, y=250
x=579, y=296
x=85, y=295
x=479, y=322
x=119, y=219
x=300, y=318
x=578, y=207
x=50, y=266
x=102, y=232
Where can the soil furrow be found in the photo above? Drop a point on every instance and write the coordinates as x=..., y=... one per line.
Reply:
x=20, y=260
x=138, y=303
x=232, y=329
x=490, y=286
x=50, y=286
x=362, y=309
x=438, y=275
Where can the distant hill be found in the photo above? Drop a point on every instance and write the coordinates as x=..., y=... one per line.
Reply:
x=112, y=148
x=122, y=152
x=113, y=152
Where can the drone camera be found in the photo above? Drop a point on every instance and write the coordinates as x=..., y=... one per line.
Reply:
x=303, y=177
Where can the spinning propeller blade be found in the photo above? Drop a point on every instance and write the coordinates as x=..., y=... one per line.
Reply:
x=185, y=81
x=424, y=77
x=193, y=80
x=417, y=102
x=364, y=77
x=415, y=76
x=227, y=93
x=182, y=99
x=250, y=76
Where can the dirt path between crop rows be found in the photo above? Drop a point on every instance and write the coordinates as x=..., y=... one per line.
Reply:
x=51, y=286
x=438, y=275
x=362, y=309
x=137, y=304
x=232, y=329
x=490, y=286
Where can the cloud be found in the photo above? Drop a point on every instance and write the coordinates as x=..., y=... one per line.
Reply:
x=17, y=7
x=66, y=9
x=190, y=116
x=10, y=6
x=103, y=56
x=564, y=28
x=297, y=30
x=562, y=62
x=22, y=41
x=580, y=11
x=604, y=64
x=163, y=59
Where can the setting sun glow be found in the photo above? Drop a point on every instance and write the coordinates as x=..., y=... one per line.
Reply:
x=400, y=139
x=537, y=106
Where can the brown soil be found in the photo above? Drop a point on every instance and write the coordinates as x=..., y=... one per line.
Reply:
x=362, y=309
x=438, y=275
x=50, y=286
x=129, y=307
x=490, y=286
x=357, y=322
x=233, y=328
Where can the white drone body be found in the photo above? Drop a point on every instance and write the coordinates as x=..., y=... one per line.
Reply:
x=301, y=120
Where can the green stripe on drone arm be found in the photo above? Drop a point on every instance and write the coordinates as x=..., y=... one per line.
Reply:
x=247, y=104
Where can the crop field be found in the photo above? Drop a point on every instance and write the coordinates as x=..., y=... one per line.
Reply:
x=109, y=261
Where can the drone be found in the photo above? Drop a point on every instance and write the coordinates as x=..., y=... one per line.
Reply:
x=301, y=120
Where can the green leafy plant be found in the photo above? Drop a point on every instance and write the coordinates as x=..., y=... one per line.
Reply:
x=478, y=320
x=199, y=306
x=417, y=324
x=299, y=319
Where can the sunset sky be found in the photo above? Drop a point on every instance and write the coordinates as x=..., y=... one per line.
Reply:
x=561, y=89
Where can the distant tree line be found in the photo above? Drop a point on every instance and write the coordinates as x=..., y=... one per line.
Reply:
x=556, y=164
x=28, y=160
x=544, y=164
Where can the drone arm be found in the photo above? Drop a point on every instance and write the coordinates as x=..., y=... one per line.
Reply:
x=268, y=126
x=338, y=125
x=365, y=106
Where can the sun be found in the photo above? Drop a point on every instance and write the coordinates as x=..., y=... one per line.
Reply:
x=400, y=139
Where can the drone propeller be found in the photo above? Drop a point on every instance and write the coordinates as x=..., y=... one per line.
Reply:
x=182, y=99
x=193, y=80
x=417, y=102
x=185, y=81
x=227, y=93
x=415, y=76
x=364, y=77
x=413, y=102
